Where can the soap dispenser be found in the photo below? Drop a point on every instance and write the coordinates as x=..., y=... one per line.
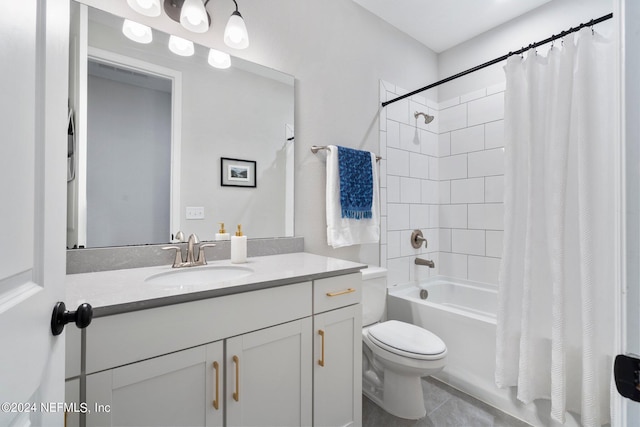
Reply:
x=238, y=247
x=222, y=233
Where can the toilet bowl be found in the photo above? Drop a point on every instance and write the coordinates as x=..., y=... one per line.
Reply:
x=396, y=355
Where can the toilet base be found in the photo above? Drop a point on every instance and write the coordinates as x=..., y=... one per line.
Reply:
x=402, y=396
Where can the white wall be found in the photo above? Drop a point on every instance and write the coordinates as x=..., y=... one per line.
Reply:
x=539, y=24
x=337, y=52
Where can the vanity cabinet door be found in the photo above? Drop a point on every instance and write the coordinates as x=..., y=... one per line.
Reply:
x=269, y=376
x=72, y=399
x=337, y=372
x=170, y=390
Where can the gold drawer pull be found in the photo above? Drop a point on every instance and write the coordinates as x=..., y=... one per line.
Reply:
x=236, y=394
x=346, y=291
x=217, y=387
x=321, y=361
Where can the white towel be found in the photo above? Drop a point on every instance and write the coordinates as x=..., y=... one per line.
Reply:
x=348, y=231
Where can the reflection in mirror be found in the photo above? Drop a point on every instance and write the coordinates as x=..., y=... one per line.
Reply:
x=128, y=156
x=150, y=129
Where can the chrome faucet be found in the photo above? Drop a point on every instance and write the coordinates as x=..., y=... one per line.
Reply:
x=191, y=260
x=429, y=263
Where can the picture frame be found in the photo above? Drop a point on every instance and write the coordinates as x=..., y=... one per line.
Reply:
x=237, y=173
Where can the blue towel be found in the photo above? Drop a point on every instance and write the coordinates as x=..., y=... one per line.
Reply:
x=356, y=183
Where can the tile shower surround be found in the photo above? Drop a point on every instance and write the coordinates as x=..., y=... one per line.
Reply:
x=445, y=178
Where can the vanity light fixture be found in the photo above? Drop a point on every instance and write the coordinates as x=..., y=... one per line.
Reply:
x=219, y=59
x=146, y=7
x=137, y=32
x=194, y=16
x=235, y=33
x=181, y=46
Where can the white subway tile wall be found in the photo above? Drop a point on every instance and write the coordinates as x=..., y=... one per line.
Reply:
x=445, y=178
x=471, y=182
x=411, y=185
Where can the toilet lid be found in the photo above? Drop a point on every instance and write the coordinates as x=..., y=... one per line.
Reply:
x=407, y=339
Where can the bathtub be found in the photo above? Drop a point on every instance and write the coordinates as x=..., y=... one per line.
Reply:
x=463, y=315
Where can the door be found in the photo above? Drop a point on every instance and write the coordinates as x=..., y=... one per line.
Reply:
x=625, y=411
x=337, y=367
x=175, y=389
x=269, y=376
x=33, y=113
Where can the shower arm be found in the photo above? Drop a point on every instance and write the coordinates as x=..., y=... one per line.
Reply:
x=427, y=118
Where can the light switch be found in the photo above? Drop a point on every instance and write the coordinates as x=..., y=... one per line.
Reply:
x=194, y=212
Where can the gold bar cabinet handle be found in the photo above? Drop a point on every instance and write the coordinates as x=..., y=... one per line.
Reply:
x=346, y=291
x=217, y=386
x=236, y=394
x=321, y=361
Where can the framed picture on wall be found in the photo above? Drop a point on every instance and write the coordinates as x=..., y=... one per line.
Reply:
x=237, y=172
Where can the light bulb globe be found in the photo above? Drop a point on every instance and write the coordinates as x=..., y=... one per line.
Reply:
x=137, y=32
x=146, y=7
x=235, y=33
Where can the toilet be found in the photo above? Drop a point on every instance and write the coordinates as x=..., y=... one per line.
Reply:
x=395, y=355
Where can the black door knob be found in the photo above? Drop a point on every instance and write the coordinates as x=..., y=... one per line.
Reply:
x=61, y=316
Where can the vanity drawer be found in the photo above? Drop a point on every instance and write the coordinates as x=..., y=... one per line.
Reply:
x=120, y=339
x=336, y=292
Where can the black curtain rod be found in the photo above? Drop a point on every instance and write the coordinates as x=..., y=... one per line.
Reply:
x=502, y=58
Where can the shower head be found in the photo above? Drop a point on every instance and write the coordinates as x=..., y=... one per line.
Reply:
x=427, y=118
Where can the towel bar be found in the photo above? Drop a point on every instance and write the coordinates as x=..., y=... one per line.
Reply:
x=316, y=148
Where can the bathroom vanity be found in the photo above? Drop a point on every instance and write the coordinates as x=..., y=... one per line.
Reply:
x=279, y=344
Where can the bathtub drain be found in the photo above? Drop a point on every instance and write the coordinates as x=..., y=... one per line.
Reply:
x=424, y=294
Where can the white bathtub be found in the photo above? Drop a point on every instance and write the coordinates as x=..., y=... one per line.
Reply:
x=463, y=315
x=472, y=299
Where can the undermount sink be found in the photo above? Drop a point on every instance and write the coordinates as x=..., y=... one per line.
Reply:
x=206, y=275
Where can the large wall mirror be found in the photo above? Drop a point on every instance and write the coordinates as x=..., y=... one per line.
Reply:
x=152, y=135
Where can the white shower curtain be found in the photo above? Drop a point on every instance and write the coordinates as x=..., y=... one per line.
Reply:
x=555, y=317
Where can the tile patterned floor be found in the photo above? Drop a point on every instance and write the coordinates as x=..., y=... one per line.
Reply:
x=446, y=407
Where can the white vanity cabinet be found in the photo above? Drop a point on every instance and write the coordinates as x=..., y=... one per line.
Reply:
x=72, y=399
x=242, y=359
x=268, y=383
x=177, y=389
x=155, y=367
x=337, y=367
x=269, y=376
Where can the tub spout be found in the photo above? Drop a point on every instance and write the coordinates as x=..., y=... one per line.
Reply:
x=429, y=263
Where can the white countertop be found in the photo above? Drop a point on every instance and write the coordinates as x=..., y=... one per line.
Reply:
x=119, y=291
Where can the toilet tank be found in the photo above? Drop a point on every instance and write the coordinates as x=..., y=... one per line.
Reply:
x=374, y=294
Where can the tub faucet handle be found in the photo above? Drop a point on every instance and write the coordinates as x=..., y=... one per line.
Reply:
x=417, y=238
